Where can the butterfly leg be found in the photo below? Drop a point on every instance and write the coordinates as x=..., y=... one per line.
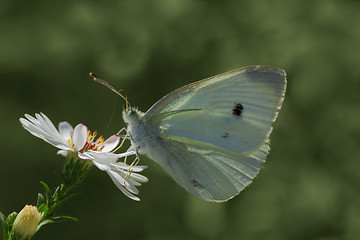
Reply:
x=120, y=131
x=137, y=158
x=124, y=138
x=129, y=171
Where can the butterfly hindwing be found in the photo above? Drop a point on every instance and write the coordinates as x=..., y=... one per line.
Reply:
x=208, y=172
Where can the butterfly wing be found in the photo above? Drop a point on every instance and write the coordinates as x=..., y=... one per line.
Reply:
x=214, y=133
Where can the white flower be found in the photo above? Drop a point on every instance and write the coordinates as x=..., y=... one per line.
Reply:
x=81, y=143
x=27, y=221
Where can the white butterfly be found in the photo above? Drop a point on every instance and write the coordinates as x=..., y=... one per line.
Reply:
x=212, y=136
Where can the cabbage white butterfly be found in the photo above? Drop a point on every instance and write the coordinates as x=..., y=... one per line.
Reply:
x=212, y=136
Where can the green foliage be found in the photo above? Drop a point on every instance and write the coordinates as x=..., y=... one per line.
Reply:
x=66, y=217
x=74, y=172
x=40, y=201
x=7, y=223
x=47, y=192
x=4, y=225
x=43, y=223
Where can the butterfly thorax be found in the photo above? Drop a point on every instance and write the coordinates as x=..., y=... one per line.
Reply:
x=135, y=127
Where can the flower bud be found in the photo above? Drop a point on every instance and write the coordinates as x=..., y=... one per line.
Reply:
x=26, y=221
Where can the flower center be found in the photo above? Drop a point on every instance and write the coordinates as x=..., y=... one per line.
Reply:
x=90, y=144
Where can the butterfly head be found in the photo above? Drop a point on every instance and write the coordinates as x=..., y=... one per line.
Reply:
x=131, y=115
x=135, y=127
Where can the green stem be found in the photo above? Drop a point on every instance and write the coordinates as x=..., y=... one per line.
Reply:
x=73, y=174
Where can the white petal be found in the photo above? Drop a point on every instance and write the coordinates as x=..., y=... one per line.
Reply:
x=102, y=160
x=63, y=153
x=135, y=183
x=111, y=143
x=123, y=178
x=57, y=144
x=106, y=157
x=32, y=119
x=120, y=178
x=85, y=156
x=31, y=128
x=102, y=167
x=127, y=153
x=121, y=165
x=80, y=136
x=43, y=124
x=113, y=177
x=138, y=177
x=38, y=131
x=65, y=129
x=138, y=168
x=52, y=141
x=50, y=124
x=47, y=125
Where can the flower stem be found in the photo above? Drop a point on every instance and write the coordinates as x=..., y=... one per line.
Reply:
x=73, y=174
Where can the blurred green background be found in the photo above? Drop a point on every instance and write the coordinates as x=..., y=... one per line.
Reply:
x=310, y=185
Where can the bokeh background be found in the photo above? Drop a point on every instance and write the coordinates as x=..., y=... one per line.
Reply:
x=309, y=187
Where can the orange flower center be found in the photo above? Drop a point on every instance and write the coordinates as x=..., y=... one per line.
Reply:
x=90, y=144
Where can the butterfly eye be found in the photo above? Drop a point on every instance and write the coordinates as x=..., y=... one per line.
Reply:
x=237, y=110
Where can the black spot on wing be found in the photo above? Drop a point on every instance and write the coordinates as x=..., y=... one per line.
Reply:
x=225, y=135
x=238, y=109
x=196, y=184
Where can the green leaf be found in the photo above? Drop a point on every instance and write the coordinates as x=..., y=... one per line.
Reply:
x=11, y=218
x=40, y=201
x=43, y=223
x=44, y=209
x=4, y=225
x=14, y=236
x=47, y=191
x=7, y=226
x=66, y=217
x=2, y=217
x=5, y=231
x=69, y=196
x=57, y=191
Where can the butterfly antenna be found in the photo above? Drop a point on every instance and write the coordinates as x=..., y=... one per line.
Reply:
x=103, y=82
x=127, y=105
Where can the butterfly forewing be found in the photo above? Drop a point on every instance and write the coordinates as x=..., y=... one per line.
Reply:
x=214, y=133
